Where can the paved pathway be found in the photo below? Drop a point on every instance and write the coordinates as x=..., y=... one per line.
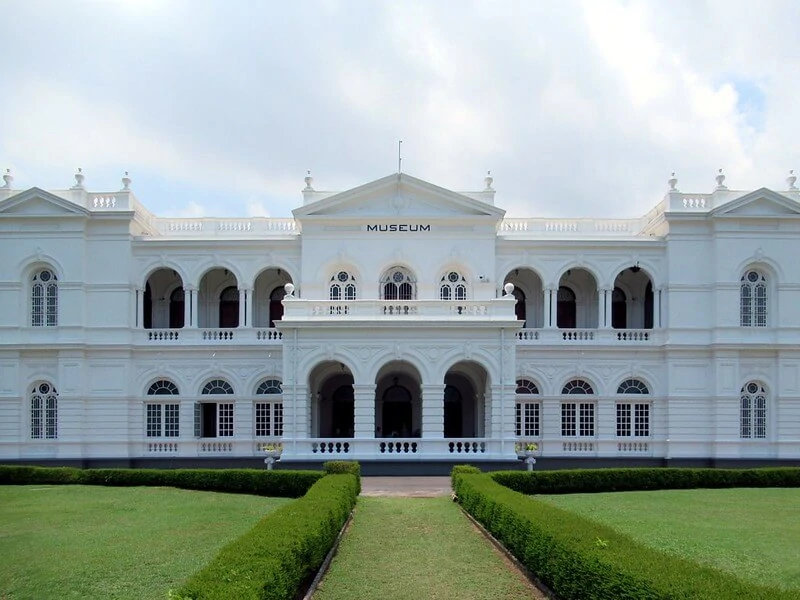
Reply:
x=412, y=487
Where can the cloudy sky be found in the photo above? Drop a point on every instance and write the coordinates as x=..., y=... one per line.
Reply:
x=579, y=108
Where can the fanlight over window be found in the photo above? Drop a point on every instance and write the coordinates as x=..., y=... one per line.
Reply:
x=577, y=386
x=633, y=386
x=217, y=386
x=163, y=387
x=526, y=386
x=269, y=386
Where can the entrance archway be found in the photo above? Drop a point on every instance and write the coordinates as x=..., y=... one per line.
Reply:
x=398, y=402
x=465, y=400
x=332, y=401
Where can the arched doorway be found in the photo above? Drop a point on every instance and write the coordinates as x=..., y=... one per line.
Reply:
x=332, y=401
x=398, y=403
x=218, y=299
x=577, y=300
x=268, y=293
x=528, y=291
x=632, y=300
x=567, y=308
x=163, y=300
x=465, y=400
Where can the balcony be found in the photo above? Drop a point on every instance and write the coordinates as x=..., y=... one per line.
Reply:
x=209, y=337
x=495, y=309
x=589, y=337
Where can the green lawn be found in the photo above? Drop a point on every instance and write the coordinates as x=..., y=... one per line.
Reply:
x=418, y=548
x=113, y=543
x=753, y=534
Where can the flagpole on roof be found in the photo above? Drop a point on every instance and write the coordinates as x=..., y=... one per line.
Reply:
x=399, y=156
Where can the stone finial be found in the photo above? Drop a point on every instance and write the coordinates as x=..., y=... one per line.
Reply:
x=673, y=183
x=79, y=177
x=8, y=178
x=309, y=180
x=721, y=180
x=791, y=179
x=488, y=180
x=289, y=289
x=508, y=289
x=126, y=182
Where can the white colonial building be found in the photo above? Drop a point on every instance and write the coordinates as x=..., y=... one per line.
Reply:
x=399, y=321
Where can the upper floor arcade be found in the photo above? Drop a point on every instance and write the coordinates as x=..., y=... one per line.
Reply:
x=402, y=249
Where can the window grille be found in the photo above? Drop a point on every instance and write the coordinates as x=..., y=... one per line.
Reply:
x=44, y=299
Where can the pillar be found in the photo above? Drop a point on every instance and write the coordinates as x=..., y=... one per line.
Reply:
x=187, y=306
x=433, y=410
x=364, y=410
x=657, y=308
x=242, y=307
x=549, y=308
x=139, y=308
x=608, y=296
x=195, y=307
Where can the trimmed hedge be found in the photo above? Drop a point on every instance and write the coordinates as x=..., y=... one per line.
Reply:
x=334, y=467
x=625, y=480
x=285, y=484
x=580, y=559
x=272, y=560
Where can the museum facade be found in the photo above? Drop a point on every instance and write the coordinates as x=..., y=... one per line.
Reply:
x=399, y=321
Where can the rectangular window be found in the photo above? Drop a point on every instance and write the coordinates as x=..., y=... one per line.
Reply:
x=760, y=417
x=527, y=419
x=269, y=419
x=225, y=420
x=163, y=420
x=36, y=418
x=37, y=305
x=641, y=420
x=745, y=306
x=569, y=419
x=586, y=423
x=633, y=420
x=623, y=420
x=153, y=420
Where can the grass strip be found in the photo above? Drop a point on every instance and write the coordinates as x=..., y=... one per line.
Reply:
x=114, y=543
x=751, y=533
x=417, y=548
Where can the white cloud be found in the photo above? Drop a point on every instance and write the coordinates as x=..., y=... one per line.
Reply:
x=578, y=108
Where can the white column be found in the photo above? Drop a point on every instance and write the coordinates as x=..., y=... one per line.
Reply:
x=139, y=307
x=195, y=307
x=657, y=308
x=364, y=410
x=187, y=306
x=433, y=410
x=609, y=296
x=242, y=306
x=549, y=308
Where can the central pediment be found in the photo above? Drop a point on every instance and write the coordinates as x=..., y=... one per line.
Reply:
x=398, y=195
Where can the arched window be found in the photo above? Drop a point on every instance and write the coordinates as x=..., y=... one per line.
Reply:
x=217, y=386
x=44, y=412
x=398, y=284
x=269, y=413
x=343, y=286
x=633, y=386
x=453, y=286
x=162, y=419
x=633, y=418
x=577, y=386
x=44, y=299
x=753, y=300
x=526, y=386
x=753, y=411
x=214, y=419
x=163, y=387
x=528, y=414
